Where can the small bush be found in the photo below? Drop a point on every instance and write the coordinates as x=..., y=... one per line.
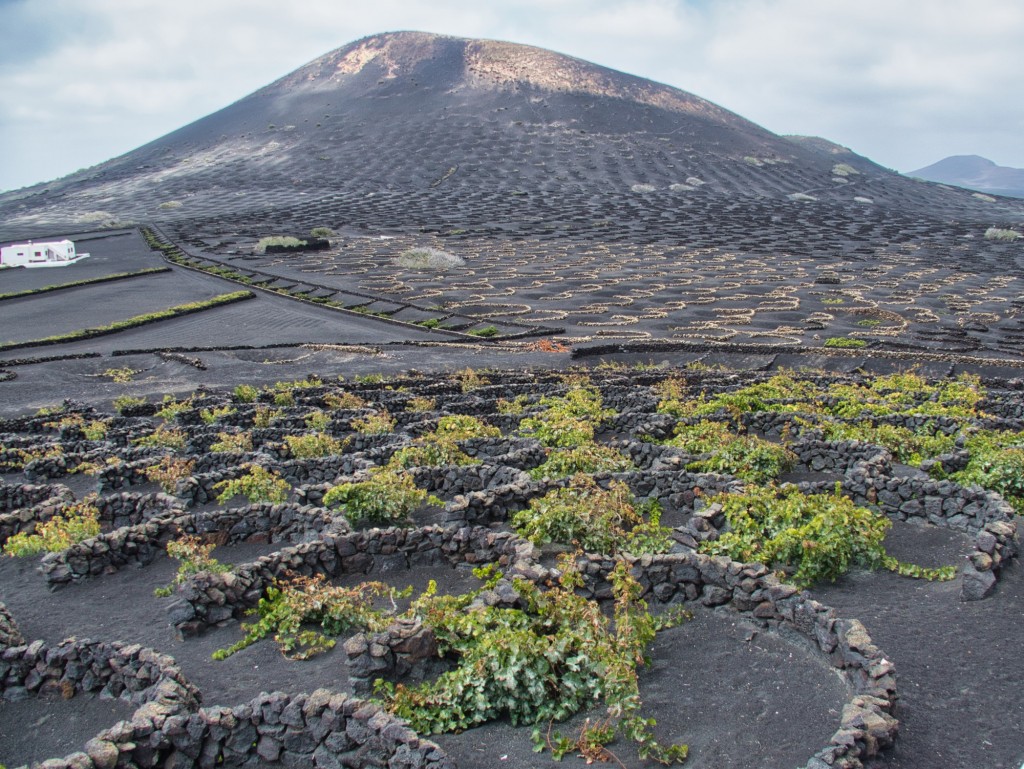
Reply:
x=486, y=332
x=322, y=232
x=845, y=342
x=722, y=451
x=461, y=427
x=601, y=521
x=813, y=536
x=513, y=407
x=318, y=420
x=121, y=375
x=163, y=438
x=277, y=240
x=587, y=458
x=420, y=404
x=172, y=407
x=290, y=606
x=470, y=379
x=258, y=485
x=388, y=496
x=169, y=471
x=214, y=415
x=193, y=556
x=313, y=445
x=264, y=416
x=997, y=233
x=246, y=393
x=123, y=403
x=232, y=442
x=344, y=401
x=380, y=423
x=76, y=523
x=568, y=420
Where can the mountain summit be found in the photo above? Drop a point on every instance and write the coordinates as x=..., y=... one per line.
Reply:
x=408, y=112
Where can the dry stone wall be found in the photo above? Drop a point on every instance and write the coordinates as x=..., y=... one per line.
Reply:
x=327, y=729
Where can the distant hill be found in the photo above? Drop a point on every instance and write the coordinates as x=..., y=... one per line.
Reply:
x=975, y=173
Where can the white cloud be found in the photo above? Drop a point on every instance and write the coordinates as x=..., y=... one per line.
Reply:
x=904, y=82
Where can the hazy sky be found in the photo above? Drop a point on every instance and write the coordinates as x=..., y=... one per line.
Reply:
x=905, y=82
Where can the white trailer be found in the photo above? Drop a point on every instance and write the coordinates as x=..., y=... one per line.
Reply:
x=57, y=253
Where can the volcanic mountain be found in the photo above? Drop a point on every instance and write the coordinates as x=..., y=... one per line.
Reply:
x=407, y=113
x=976, y=173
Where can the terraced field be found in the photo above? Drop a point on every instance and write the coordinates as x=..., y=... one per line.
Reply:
x=541, y=475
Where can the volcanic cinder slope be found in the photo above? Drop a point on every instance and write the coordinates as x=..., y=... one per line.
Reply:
x=413, y=113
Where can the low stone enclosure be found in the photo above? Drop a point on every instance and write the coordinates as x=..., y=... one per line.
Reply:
x=503, y=425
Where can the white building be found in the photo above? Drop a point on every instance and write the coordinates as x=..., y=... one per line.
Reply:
x=57, y=253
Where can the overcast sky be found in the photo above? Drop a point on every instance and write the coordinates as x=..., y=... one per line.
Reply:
x=904, y=82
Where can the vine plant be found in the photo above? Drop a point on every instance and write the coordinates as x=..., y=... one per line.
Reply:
x=74, y=524
x=810, y=536
x=597, y=520
x=193, y=556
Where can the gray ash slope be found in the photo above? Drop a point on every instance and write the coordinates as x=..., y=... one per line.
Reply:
x=459, y=127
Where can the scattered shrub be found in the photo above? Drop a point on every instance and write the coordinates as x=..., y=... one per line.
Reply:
x=121, y=375
x=587, y=458
x=813, y=537
x=844, y=169
x=380, y=423
x=232, y=442
x=264, y=416
x=74, y=524
x=538, y=665
x=193, y=556
x=722, y=451
x=387, y=496
x=312, y=445
x=344, y=400
x=322, y=232
x=587, y=516
x=169, y=471
x=996, y=233
x=172, y=407
x=164, y=438
x=431, y=451
x=461, y=427
x=277, y=240
x=246, y=393
x=123, y=403
x=293, y=604
x=258, y=485
x=513, y=407
x=420, y=404
x=845, y=342
x=214, y=415
x=470, y=380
